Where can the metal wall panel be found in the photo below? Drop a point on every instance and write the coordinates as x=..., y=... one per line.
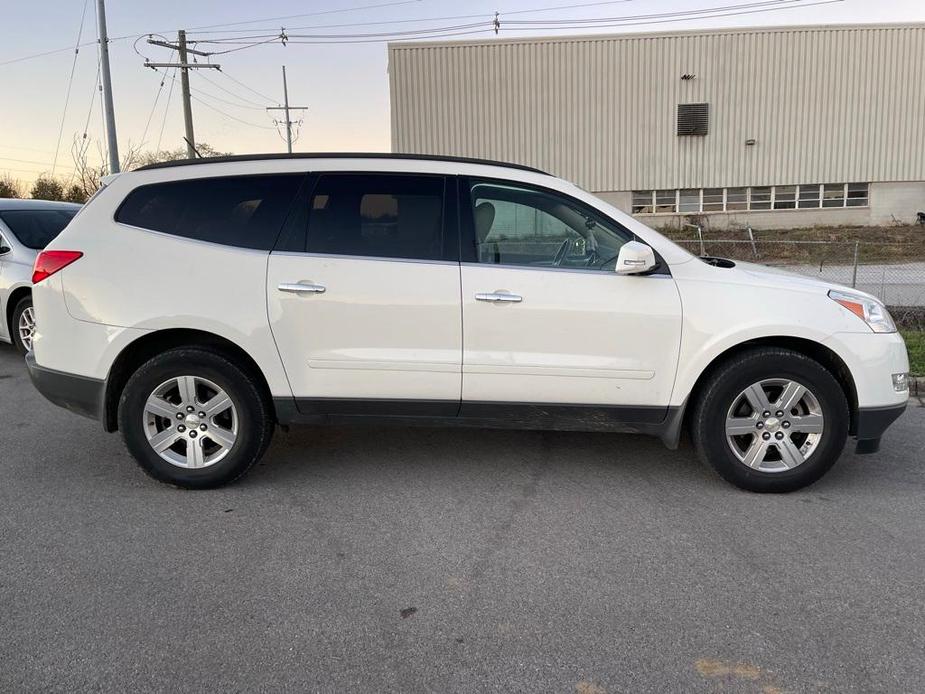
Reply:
x=825, y=104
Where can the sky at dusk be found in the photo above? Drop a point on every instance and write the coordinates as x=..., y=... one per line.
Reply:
x=345, y=85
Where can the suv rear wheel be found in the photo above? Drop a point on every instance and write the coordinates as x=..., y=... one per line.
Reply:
x=771, y=420
x=192, y=418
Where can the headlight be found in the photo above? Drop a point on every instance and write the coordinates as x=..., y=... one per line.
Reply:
x=868, y=310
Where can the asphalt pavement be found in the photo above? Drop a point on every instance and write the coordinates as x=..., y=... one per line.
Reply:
x=406, y=560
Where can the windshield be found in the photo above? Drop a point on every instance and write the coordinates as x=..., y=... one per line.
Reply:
x=36, y=228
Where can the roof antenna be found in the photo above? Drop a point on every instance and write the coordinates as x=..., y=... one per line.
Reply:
x=198, y=155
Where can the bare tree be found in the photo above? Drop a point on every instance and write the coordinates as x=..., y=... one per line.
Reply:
x=88, y=171
x=88, y=174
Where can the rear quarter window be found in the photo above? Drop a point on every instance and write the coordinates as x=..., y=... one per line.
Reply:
x=242, y=211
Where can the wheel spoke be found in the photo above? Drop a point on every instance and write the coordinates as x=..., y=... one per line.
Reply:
x=187, y=387
x=164, y=440
x=160, y=407
x=791, y=395
x=195, y=457
x=807, y=424
x=790, y=455
x=222, y=437
x=216, y=405
x=739, y=426
x=755, y=454
x=757, y=398
x=196, y=424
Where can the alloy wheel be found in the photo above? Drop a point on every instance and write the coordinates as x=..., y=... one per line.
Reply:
x=190, y=422
x=26, y=327
x=774, y=425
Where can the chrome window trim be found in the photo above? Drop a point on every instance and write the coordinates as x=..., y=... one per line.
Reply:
x=573, y=270
x=385, y=259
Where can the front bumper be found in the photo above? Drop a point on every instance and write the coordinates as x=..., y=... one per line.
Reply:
x=79, y=394
x=872, y=422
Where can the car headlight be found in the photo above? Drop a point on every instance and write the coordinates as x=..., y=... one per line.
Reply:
x=868, y=310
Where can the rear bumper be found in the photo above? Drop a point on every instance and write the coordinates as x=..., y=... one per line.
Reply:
x=79, y=394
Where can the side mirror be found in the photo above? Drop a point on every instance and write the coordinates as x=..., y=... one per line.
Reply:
x=635, y=258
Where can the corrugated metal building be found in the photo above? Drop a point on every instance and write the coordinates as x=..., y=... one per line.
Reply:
x=773, y=127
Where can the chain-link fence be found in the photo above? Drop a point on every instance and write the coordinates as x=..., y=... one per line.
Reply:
x=893, y=272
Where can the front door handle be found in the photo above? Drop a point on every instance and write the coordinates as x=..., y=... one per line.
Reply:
x=499, y=297
x=298, y=288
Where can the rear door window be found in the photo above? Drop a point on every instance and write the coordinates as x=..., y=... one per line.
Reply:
x=376, y=216
x=36, y=228
x=243, y=211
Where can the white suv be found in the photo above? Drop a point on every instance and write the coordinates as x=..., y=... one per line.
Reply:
x=195, y=305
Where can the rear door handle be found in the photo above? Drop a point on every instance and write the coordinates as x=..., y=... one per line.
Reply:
x=298, y=288
x=499, y=297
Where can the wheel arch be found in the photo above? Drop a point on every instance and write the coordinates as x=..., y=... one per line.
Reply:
x=810, y=348
x=14, y=298
x=140, y=350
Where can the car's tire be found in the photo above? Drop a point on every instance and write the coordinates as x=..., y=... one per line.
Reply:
x=782, y=453
x=161, y=390
x=22, y=312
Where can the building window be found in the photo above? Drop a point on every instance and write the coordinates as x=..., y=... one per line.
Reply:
x=833, y=195
x=666, y=201
x=759, y=198
x=642, y=201
x=713, y=199
x=857, y=195
x=693, y=119
x=785, y=197
x=736, y=199
x=809, y=196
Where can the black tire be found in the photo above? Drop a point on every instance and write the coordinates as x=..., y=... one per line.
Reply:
x=255, y=417
x=18, y=310
x=708, y=419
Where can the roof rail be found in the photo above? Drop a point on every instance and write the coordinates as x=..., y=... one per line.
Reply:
x=335, y=155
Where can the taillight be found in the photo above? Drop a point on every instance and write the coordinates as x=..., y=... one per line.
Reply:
x=50, y=262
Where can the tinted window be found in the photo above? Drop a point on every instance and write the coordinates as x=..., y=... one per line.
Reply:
x=245, y=211
x=516, y=225
x=383, y=216
x=37, y=228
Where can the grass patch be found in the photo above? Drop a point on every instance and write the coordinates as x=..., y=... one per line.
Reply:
x=915, y=344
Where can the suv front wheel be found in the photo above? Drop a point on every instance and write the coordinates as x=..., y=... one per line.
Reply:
x=192, y=418
x=771, y=420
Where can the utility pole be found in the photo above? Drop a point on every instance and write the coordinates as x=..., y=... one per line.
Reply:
x=286, y=107
x=185, y=66
x=106, y=84
x=187, y=106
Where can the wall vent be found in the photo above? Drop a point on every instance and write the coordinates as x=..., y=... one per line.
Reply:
x=693, y=119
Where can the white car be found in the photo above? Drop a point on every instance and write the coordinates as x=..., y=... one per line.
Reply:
x=26, y=227
x=195, y=305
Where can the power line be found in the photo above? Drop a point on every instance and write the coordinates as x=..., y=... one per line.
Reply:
x=623, y=23
x=157, y=96
x=70, y=82
x=252, y=104
x=308, y=14
x=228, y=115
x=657, y=15
x=166, y=111
x=253, y=91
x=218, y=110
